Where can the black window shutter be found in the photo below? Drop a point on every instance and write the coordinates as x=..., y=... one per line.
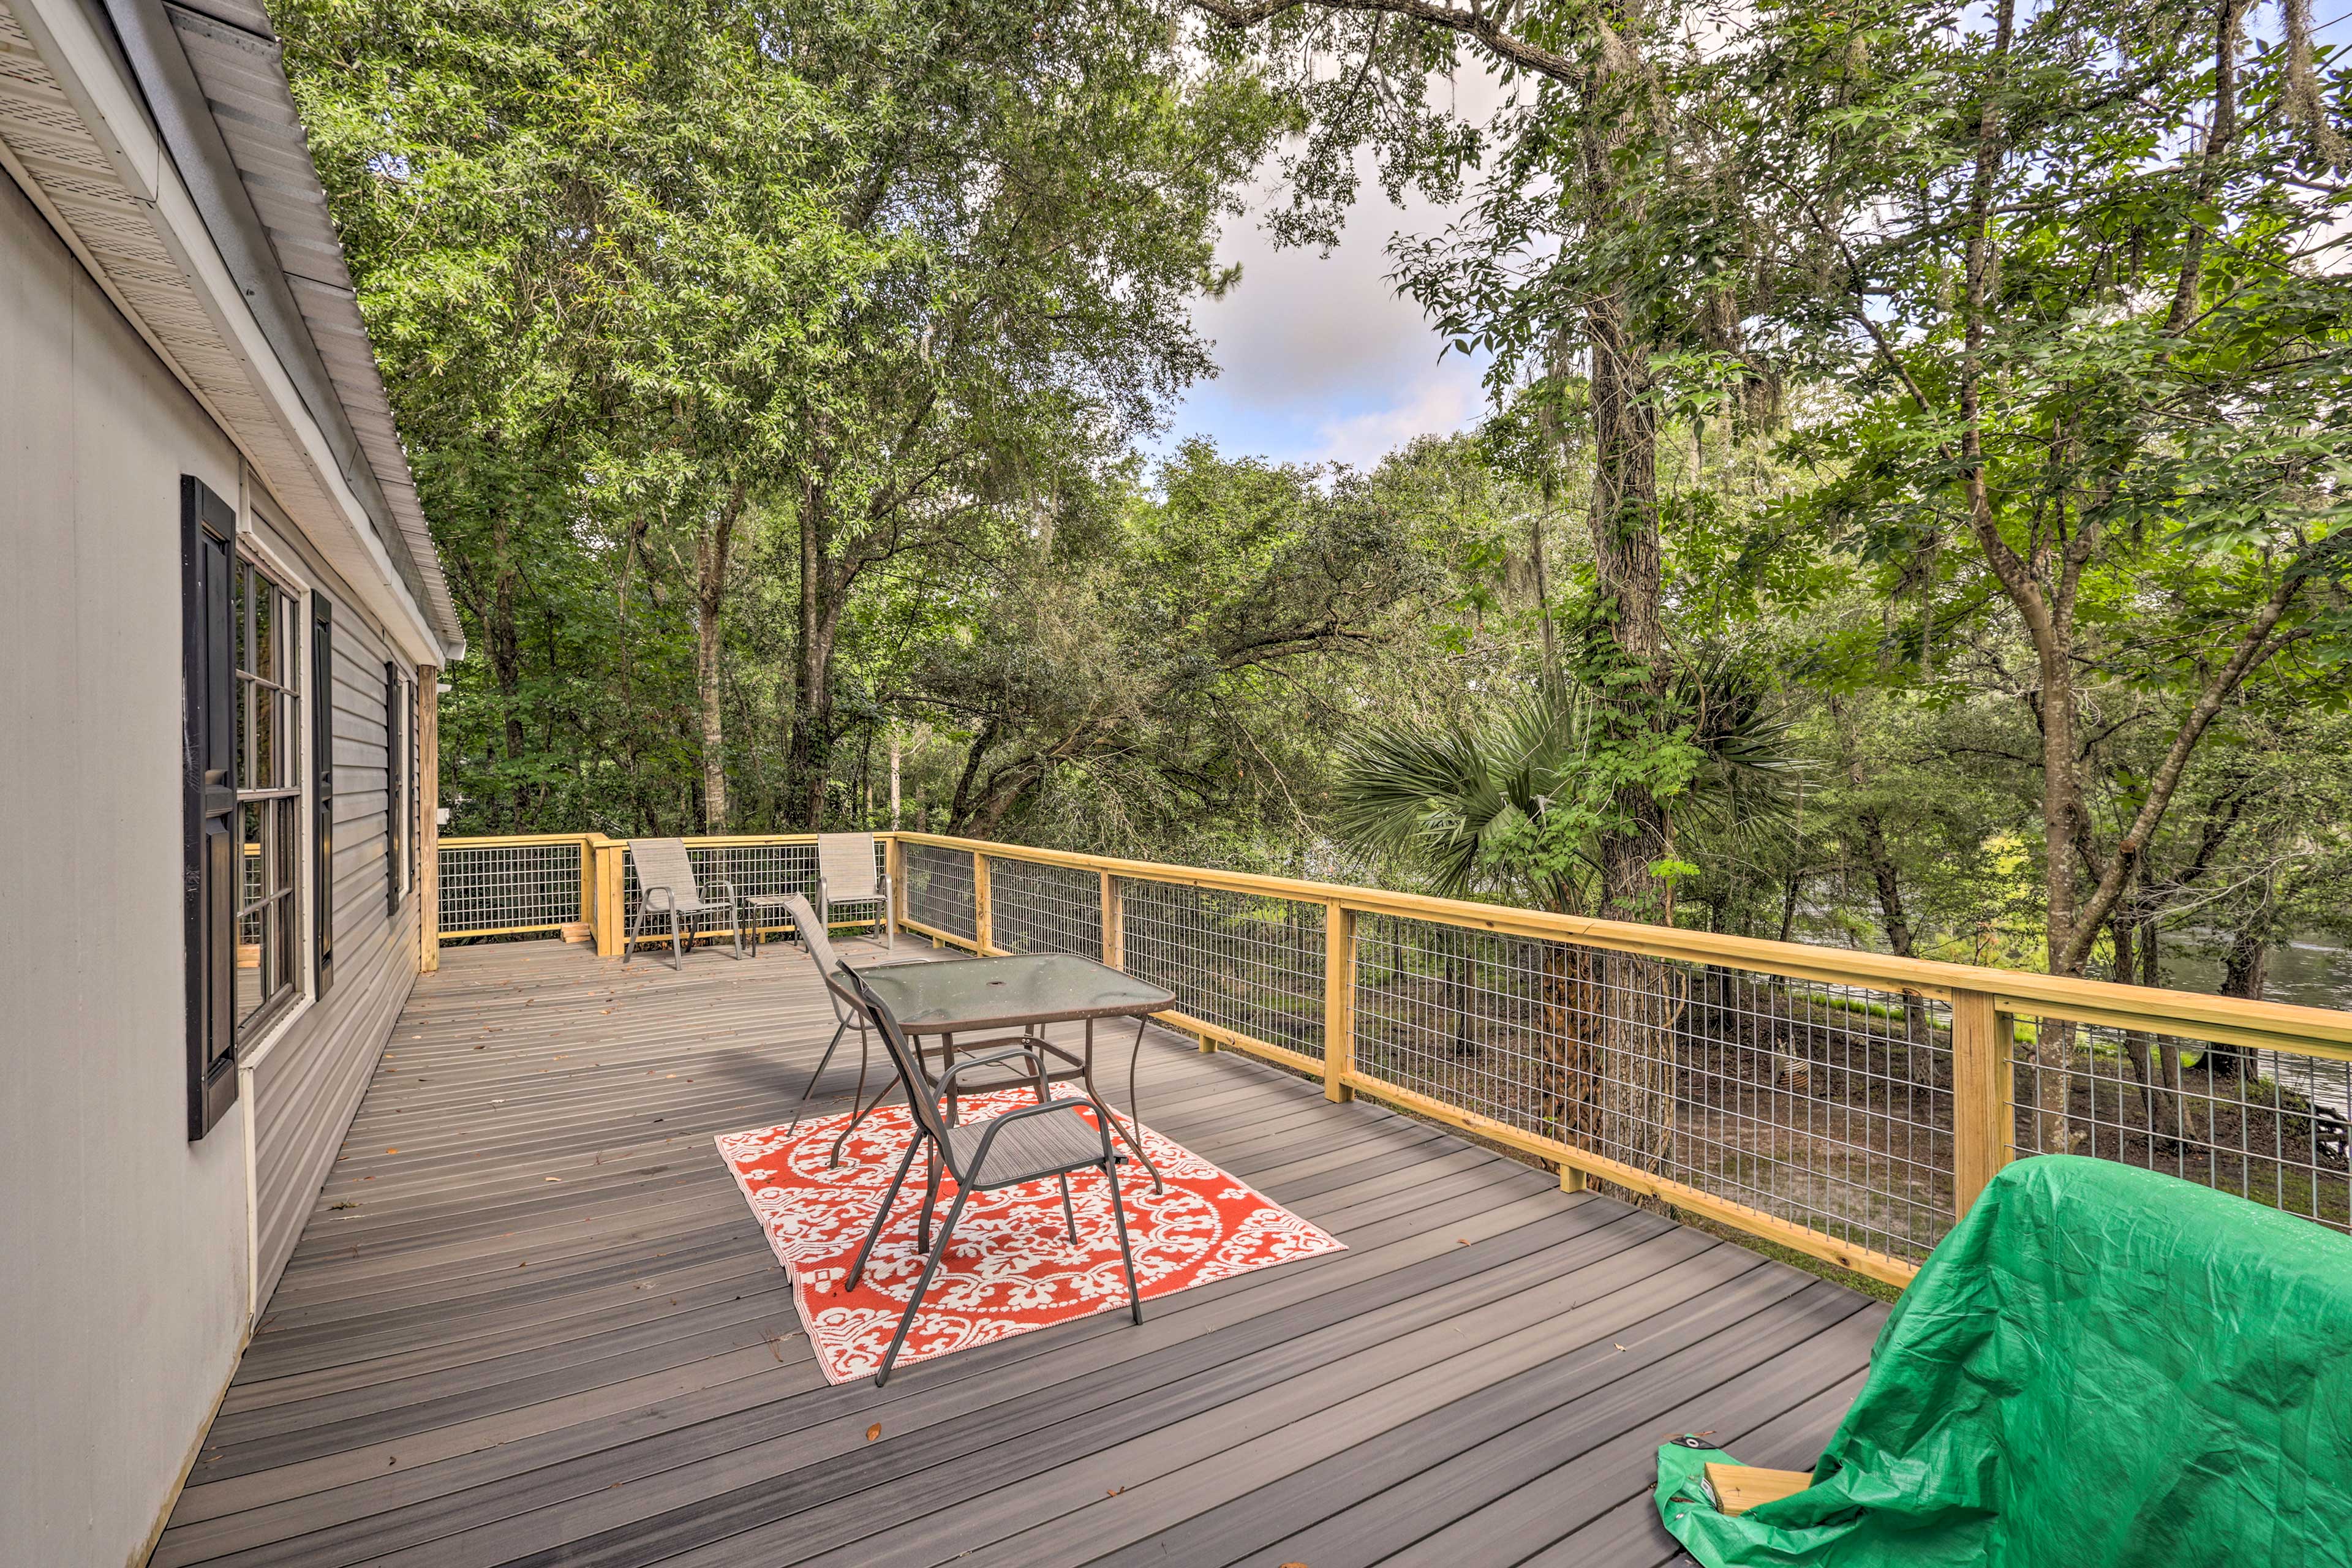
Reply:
x=208, y=793
x=395, y=786
x=322, y=798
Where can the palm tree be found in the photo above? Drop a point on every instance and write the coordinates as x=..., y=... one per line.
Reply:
x=1512, y=802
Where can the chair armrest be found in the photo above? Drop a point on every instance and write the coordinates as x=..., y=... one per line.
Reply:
x=646, y=898
x=729, y=889
x=1035, y=1060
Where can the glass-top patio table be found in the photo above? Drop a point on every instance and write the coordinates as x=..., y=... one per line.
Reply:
x=1027, y=991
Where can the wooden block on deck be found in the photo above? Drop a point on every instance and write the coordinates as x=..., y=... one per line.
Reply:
x=1738, y=1488
x=578, y=930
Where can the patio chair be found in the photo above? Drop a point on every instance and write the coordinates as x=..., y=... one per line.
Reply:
x=846, y=874
x=1026, y=1144
x=846, y=1014
x=666, y=885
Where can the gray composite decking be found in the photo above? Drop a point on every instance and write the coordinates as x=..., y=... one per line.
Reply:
x=531, y=1321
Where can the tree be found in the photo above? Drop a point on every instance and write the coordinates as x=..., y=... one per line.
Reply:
x=2125, y=407
x=1040, y=193
x=1525, y=800
x=1145, y=671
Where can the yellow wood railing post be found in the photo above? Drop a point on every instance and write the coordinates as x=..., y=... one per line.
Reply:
x=893, y=866
x=983, y=940
x=1983, y=1134
x=1114, y=919
x=428, y=818
x=609, y=923
x=1338, y=1001
x=591, y=882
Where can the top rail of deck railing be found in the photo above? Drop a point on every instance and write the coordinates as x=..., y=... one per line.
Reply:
x=1847, y=1104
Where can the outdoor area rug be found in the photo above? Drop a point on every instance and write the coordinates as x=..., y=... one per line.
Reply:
x=1011, y=1267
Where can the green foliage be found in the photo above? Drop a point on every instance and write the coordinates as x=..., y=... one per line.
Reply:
x=774, y=375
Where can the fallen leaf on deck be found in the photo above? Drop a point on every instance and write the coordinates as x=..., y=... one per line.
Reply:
x=874, y=1431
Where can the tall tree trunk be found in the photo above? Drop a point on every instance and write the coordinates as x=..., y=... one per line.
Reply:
x=712, y=547
x=505, y=665
x=2135, y=945
x=2245, y=972
x=809, y=746
x=1895, y=920
x=1640, y=1000
x=1627, y=561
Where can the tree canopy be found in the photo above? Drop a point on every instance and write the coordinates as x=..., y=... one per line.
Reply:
x=1910, y=510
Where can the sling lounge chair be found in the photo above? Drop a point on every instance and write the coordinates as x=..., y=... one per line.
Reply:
x=846, y=1011
x=1028, y=1143
x=666, y=885
x=846, y=874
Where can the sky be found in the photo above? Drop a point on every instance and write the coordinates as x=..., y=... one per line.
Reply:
x=1318, y=357
x=1320, y=360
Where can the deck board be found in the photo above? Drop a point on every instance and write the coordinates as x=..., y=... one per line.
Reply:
x=470, y=1363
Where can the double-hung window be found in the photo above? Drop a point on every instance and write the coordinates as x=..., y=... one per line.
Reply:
x=399, y=780
x=266, y=627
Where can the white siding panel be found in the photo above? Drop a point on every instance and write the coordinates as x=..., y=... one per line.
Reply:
x=123, y=1296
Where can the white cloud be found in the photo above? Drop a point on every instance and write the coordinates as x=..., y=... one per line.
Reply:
x=1435, y=407
x=1304, y=325
x=1319, y=358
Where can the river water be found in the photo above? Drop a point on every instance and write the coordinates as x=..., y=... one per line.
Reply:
x=2313, y=974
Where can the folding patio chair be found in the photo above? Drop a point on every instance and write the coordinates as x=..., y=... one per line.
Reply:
x=665, y=884
x=846, y=874
x=846, y=1014
x=1026, y=1144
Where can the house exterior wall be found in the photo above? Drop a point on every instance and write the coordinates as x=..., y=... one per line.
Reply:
x=131, y=1256
x=305, y=1086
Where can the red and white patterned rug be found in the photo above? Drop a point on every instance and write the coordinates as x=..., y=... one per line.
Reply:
x=1011, y=1267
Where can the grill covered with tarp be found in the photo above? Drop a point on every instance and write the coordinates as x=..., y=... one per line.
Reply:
x=2099, y=1366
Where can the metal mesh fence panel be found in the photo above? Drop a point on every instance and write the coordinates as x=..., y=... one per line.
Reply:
x=509, y=888
x=2270, y=1126
x=1826, y=1106
x=940, y=889
x=757, y=869
x=1043, y=908
x=1244, y=962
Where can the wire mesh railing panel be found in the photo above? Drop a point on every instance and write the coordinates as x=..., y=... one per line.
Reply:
x=506, y=889
x=1043, y=908
x=1245, y=962
x=940, y=889
x=2270, y=1126
x=1826, y=1106
x=757, y=869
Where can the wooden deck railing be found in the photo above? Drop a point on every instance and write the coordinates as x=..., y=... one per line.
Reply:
x=1847, y=1104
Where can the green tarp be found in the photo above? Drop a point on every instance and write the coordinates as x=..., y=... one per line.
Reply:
x=2099, y=1366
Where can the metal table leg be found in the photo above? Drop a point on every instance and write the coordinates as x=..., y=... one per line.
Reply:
x=1157, y=1185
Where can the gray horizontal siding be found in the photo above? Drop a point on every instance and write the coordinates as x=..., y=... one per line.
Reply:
x=307, y=1087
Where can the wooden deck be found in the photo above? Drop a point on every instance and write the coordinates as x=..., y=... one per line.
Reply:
x=532, y=1321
